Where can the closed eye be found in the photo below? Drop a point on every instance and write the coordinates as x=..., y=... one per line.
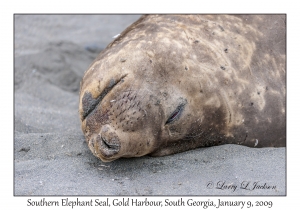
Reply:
x=176, y=114
x=89, y=103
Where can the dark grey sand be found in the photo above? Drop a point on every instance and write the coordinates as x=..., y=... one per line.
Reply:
x=50, y=154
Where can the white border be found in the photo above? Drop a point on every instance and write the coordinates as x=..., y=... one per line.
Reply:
x=8, y=201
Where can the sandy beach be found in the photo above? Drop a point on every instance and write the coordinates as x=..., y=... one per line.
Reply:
x=51, y=156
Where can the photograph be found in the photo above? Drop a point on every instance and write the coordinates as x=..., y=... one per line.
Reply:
x=149, y=105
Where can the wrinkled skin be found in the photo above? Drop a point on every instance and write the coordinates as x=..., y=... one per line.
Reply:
x=170, y=83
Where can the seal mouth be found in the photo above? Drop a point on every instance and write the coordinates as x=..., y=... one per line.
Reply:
x=89, y=103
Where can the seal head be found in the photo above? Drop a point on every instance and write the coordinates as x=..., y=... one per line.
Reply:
x=170, y=83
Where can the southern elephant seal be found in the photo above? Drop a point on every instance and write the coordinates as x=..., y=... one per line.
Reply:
x=170, y=83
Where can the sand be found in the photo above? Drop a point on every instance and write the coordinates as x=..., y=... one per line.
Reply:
x=51, y=156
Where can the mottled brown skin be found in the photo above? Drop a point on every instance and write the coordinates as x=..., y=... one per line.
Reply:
x=226, y=75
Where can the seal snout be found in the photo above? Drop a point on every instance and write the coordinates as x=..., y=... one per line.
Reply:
x=108, y=146
x=107, y=143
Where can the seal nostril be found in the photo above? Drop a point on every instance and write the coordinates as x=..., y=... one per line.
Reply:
x=106, y=144
x=108, y=147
